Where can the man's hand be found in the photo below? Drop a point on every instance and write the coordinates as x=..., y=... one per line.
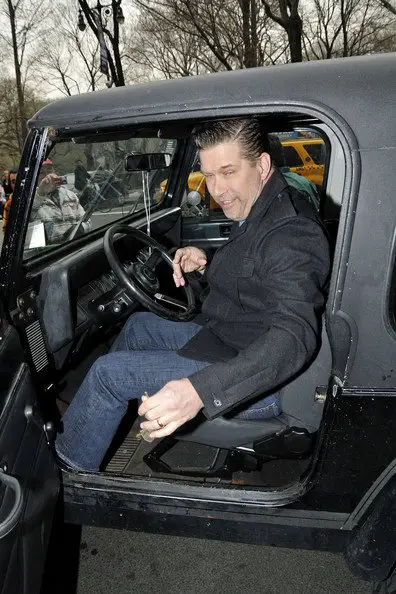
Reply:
x=172, y=406
x=49, y=183
x=187, y=259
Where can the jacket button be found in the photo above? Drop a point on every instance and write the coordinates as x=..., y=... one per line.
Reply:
x=217, y=402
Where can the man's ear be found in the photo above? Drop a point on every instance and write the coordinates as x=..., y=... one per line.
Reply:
x=265, y=165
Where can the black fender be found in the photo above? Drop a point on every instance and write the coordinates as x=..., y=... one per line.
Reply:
x=371, y=549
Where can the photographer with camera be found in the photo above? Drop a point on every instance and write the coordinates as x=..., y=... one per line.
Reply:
x=58, y=208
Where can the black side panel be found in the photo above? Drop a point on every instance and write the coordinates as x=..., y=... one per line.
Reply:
x=358, y=444
x=371, y=553
x=25, y=456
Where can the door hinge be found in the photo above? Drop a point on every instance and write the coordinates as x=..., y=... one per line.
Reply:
x=25, y=312
x=48, y=428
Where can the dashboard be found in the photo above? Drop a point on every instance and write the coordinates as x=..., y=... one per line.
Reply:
x=102, y=300
x=79, y=293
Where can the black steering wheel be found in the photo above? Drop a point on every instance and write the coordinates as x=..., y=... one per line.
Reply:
x=142, y=283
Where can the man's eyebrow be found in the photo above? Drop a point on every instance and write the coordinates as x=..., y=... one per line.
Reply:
x=222, y=168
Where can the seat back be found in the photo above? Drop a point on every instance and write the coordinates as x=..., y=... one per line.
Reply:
x=300, y=408
x=299, y=403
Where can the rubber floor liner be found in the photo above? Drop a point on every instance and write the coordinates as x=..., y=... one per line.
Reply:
x=128, y=461
x=124, y=454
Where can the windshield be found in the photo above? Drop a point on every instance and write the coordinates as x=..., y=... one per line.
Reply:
x=84, y=185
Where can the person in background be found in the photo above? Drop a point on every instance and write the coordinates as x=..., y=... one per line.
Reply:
x=81, y=176
x=6, y=183
x=58, y=208
x=3, y=200
x=47, y=167
x=306, y=187
x=12, y=179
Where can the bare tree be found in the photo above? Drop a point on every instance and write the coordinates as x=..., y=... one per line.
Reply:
x=185, y=37
x=388, y=5
x=10, y=145
x=287, y=16
x=341, y=28
x=154, y=50
x=71, y=66
x=25, y=18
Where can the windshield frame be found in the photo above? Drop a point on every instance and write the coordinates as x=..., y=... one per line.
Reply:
x=60, y=137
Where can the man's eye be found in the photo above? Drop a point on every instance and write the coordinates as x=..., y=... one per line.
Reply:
x=228, y=173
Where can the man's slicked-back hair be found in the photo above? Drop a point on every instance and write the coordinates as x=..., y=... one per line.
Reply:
x=247, y=132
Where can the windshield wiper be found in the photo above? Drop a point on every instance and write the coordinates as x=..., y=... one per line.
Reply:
x=92, y=205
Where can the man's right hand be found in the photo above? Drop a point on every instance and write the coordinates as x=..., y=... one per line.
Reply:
x=49, y=183
x=187, y=259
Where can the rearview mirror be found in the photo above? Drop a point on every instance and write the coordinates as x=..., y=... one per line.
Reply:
x=147, y=161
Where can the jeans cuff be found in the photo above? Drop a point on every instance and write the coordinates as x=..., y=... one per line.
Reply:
x=68, y=463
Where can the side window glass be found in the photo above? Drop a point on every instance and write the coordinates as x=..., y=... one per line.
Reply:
x=316, y=152
x=196, y=200
x=84, y=185
x=291, y=157
x=289, y=151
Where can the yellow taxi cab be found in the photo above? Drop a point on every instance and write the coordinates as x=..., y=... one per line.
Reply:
x=306, y=157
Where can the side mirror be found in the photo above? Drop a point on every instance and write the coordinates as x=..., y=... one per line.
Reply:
x=147, y=161
x=194, y=198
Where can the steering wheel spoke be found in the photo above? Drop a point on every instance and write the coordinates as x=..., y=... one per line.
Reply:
x=142, y=283
x=171, y=301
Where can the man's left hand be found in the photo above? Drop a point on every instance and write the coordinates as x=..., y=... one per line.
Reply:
x=172, y=406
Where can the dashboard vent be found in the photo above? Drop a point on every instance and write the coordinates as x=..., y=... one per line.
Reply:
x=36, y=345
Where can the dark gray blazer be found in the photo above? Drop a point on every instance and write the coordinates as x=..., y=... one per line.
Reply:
x=262, y=314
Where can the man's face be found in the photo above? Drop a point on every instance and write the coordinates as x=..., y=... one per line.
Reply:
x=13, y=179
x=234, y=182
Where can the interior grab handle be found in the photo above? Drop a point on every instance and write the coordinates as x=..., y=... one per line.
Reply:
x=15, y=513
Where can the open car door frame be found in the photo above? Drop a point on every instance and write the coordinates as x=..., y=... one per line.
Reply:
x=29, y=477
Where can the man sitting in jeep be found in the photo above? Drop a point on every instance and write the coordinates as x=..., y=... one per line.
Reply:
x=259, y=324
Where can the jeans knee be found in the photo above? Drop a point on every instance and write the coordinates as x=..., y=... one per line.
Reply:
x=135, y=320
x=101, y=369
x=136, y=329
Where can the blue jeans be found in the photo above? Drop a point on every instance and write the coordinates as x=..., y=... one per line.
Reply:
x=143, y=358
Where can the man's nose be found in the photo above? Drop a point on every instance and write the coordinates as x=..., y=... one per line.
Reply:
x=218, y=188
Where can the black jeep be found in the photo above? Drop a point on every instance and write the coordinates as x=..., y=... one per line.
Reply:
x=322, y=475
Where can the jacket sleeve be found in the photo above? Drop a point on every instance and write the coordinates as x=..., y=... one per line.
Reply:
x=292, y=268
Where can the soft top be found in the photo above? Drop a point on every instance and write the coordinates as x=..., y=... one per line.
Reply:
x=355, y=88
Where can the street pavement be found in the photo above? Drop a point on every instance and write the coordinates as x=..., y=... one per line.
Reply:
x=121, y=562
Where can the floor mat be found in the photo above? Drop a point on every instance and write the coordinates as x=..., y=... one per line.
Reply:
x=128, y=461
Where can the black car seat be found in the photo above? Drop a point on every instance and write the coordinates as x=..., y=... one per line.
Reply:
x=289, y=435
